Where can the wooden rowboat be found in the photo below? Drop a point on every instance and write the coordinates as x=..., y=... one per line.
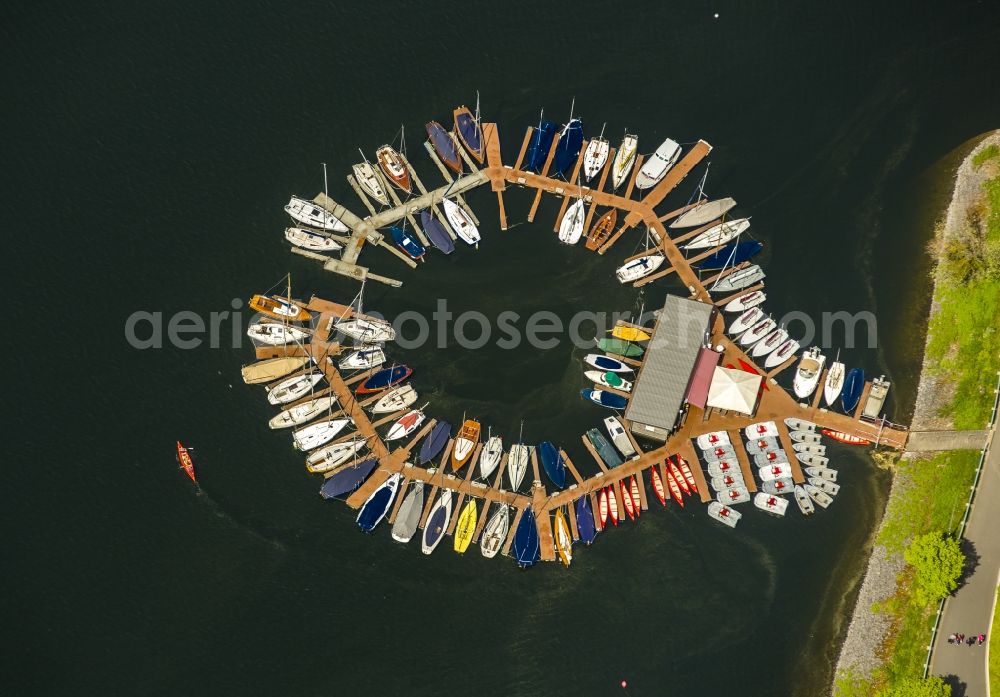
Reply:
x=602, y=230
x=654, y=479
x=394, y=168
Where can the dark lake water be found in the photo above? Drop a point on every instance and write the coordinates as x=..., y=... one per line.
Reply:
x=149, y=150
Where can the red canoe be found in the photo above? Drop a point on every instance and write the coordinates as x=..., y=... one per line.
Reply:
x=688, y=474
x=654, y=479
x=675, y=490
x=186, y=463
x=612, y=505
x=636, y=499
x=845, y=437
x=678, y=477
x=627, y=501
x=602, y=506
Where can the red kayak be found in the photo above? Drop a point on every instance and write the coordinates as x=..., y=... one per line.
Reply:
x=186, y=463
x=602, y=506
x=654, y=479
x=636, y=499
x=627, y=500
x=845, y=437
x=612, y=505
x=675, y=490
x=688, y=474
x=678, y=477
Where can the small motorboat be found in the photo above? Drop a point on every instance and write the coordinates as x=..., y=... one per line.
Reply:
x=608, y=454
x=607, y=363
x=796, y=424
x=408, y=515
x=763, y=445
x=348, y=480
x=602, y=507
x=782, y=353
x=470, y=133
x=639, y=268
x=764, y=429
x=517, y=464
x=377, y=505
x=553, y=463
x=720, y=452
x=185, y=462
x=738, y=280
x=812, y=459
x=395, y=399
x=616, y=431
x=369, y=181
x=876, y=398
x=272, y=369
x=724, y=514
x=332, y=456
x=434, y=442
x=612, y=505
x=854, y=385
x=602, y=230
x=437, y=523
x=620, y=348
x=313, y=241
x=742, y=323
x=771, y=504
x=368, y=330
x=466, y=526
x=723, y=467
x=313, y=215
x=436, y=233
x=770, y=343
x=362, y=359
x=726, y=482
x=824, y=485
x=408, y=242
x=595, y=157
x=626, y=333
x=317, y=434
x=718, y=235
x=809, y=448
x=608, y=379
x=276, y=334
x=605, y=399
x=627, y=501
x=778, y=487
x=703, y=213
x=465, y=444
x=279, y=308
x=624, y=160
x=834, y=382
x=562, y=538
x=526, y=546
x=495, y=532
x=445, y=146
x=657, y=483
x=808, y=372
x=571, y=227
x=541, y=144
x=384, y=379
x=774, y=472
x=821, y=498
x=585, y=524
x=685, y=469
x=822, y=472
x=461, y=223
x=292, y=388
x=658, y=164
x=394, y=168
x=746, y=301
x=845, y=437
x=714, y=439
x=733, y=495
x=675, y=472
x=804, y=502
x=568, y=147
x=406, y=424
x=489, y=456
x=777, y=457
x=302, y=413
x=731, y=255
x=804, y=437
x=757, y=332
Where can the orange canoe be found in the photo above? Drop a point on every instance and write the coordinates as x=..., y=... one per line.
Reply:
x=636, y=499
x=688, y=474
x=678, y=477
x=602, y=506
x=612, y=505
x=654, y=479
x=675, y=490
x=186, y=463
x=627, y=501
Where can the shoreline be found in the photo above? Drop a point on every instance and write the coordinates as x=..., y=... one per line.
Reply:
x=858, y=656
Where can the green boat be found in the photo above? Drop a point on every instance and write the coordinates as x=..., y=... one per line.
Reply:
x=620, y=348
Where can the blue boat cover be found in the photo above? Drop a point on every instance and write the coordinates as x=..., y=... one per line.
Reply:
x=436, y=233
x=375, y=508
x=434, y=528
x=603, y=447
x=347, y=480
x=443, y=143
x=538, y=150
x=434, y=442
x=854, y=385
x=732, y=254
x=607, y=399
x=469, y=129
x=585, y=520
x=384, y=378
x=526, y=547
x=407, y=242
x=608, y=363
x=553, y=463
x=569, y=147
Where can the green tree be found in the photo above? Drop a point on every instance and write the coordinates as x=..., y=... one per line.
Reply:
x=932, y=686
x=937, y=560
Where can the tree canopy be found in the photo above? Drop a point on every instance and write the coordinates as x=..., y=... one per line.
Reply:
x=931, y=686
x=937, y=560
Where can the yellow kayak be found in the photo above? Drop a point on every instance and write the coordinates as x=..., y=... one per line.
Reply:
x=629, y=334
x=563, y=539
x=466, y=527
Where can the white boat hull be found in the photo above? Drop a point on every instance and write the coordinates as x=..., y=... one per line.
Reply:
x=393, y=401
x=705, y=212
x=490, y=456
x=771, y=504
x=495, y=533
x=330, y=456
x=595, y=157
x=571, y=227
x=315, y=435
x=719, y=234
x=461, y=223
x=311, y=214
x=658, y=164
x=624, y=160
x=746, y=301
x=363, y=359
x=295, y=387
x=312, y=241
x=517, y=465
x=639, y=268
x=302, y=413
x=368, y=331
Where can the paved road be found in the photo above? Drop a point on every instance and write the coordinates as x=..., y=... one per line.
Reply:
x=969, y=611
x=928, y=441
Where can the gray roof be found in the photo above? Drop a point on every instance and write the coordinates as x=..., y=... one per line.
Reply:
x=668, y=362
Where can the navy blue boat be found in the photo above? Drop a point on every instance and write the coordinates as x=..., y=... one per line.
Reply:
x=732, y=254
x=385, y=378
x=377, y=505
x=348, y=480
x=406, y=241
x=854, y=385
x=436, y=233
x=605, y=399
x=606, y=363
x=585, y=520
x=538, y=149
x=553, y=463
x=434, y=442
x=526, y=548
x=570, y=142
x=445, y=146
x=469, y=131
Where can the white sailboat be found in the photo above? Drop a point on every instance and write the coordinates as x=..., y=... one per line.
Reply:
x=275, y=333
x=313, y=241
x=301, y=413
x=363, y=359
x=739, y=279
x=330, y=456
x=571, y=227
x=834, y=381
x=320, y=433
x=719, y=234
x=595, y=156
x=517, y=461
x=313, y=215
x=705, y=211
x=395, y=400
x=292, y=388
x=369, y=180
x=495, y=532
x=490, y=456
x=624, y=160
x=658, y=164
x=461, y=223
x=639, y=268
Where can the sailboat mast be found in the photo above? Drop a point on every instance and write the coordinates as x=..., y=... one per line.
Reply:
x=477, y=106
